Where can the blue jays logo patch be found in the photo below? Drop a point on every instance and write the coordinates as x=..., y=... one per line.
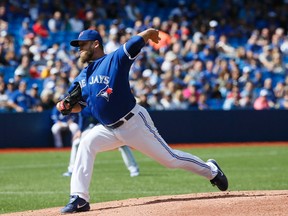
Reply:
x=105, y=93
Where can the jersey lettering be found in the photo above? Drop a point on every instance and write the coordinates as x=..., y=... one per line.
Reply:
x=82, y=83
x=99, y=79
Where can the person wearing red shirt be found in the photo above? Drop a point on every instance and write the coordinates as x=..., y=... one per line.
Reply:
x=262, y=102
x=40, y=29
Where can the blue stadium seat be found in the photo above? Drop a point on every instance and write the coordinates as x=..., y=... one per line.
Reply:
x=8, y=72
x=215, y=103
x=32, y=81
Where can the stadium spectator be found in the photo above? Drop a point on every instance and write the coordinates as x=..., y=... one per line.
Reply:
x=45, y=71
x=154, y=100
x=60, y=88
x=279, y=66
x=224, y=48
x=3, y=98
x=191, y=51
x=257, y=79
x=283, y=102
x=245, y=77
x=3, y=13
x=4, y=26
x=279, y=90
x=100, y=10
x=169, y=62
x=103, y=32
x=178, y=99
x=40, y=29
x=191, y=89
x=193, y=102
x=25, y=28
x=262, y=102
x=6, y=45
x=34, y=10
x=63, y=123
x=143, y=101
x=137, y=68
x=215, y=91
x=208, y=53
x=113, y=42
x=213, y=29
x=232, y=99
x=208, y=74
x=10, y=87
x=202, y=102
x=89, y=21
x=195, y=72
x=77, y=25
x=163, y=27
x=167, y=101
x=56, y=23
x=50, y=82
x=34, y=93
x=11, y=58
x=180, y=11
x=132, y=10
x=245, y=102
x=268, y=85
x=248, y=90
x=20, y=101
x=23, y=68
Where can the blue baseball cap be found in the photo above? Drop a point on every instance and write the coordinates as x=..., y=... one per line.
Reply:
x=87, y=35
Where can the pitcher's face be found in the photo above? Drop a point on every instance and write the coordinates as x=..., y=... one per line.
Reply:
x=86, y=49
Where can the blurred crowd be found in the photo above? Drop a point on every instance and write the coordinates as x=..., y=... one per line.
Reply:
x=214, y=54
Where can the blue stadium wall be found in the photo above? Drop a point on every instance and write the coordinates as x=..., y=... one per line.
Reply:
x=34, y=129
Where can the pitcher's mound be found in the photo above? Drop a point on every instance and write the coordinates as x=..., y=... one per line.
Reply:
x=246, y=203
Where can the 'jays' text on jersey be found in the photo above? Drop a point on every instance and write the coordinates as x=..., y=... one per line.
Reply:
x=105, y=83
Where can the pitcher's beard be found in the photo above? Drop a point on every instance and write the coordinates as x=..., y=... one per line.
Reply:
x=86, y=57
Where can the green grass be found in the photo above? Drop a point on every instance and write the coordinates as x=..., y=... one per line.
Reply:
x=34, y=180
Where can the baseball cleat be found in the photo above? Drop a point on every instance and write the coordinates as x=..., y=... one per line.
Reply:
x=134, y=174
x=134, y=171
x=67, y=174
x=76, y=204
x=220, y=179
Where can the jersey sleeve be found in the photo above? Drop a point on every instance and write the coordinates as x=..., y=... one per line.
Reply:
x=133, y=46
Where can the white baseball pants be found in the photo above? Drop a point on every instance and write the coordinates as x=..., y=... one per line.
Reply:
x=139, y=133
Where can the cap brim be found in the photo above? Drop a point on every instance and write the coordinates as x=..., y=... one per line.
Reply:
x=74, y=43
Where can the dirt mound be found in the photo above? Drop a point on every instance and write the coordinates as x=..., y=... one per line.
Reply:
x=244, y=203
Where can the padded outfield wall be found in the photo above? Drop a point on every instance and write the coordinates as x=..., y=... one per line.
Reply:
x=34, y=129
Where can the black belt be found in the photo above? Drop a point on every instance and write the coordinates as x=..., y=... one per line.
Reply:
x=120, y=122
